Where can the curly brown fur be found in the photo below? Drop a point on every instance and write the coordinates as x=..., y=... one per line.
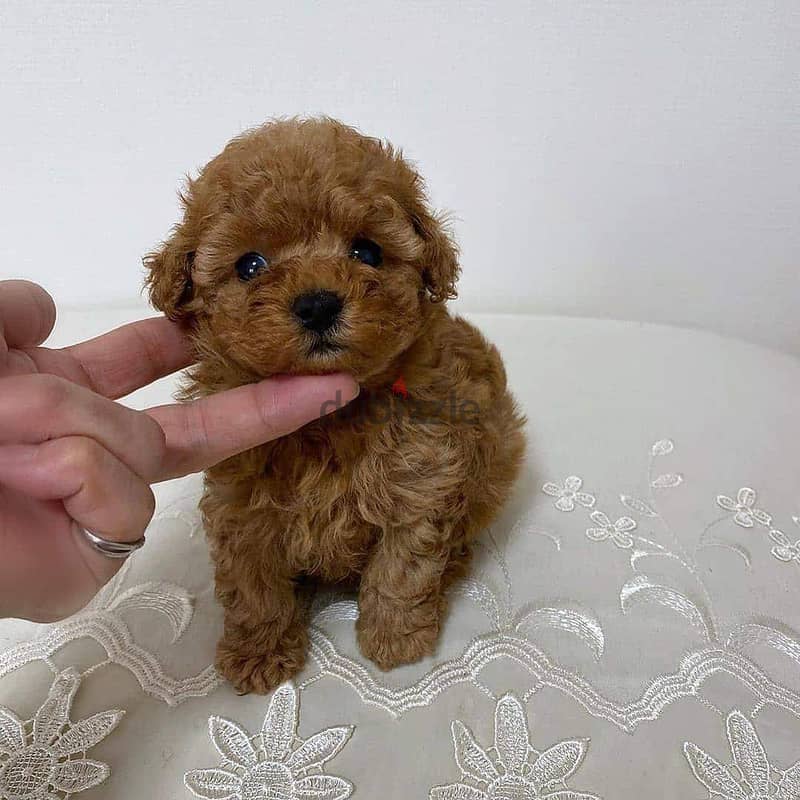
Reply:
x=390, y=490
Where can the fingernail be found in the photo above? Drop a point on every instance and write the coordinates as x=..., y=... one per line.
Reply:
x=354, y=388
x=344, y=386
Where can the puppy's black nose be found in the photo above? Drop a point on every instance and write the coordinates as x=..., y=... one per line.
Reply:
x=317, y=311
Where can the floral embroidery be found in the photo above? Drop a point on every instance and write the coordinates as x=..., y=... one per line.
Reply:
x=667, y=481
x=784, y=550
x=618, y=532
x=46, y=756
x=569, y=494
x=746, y=515
x=104, y=621
x=522, y=624
x=750, y=777
x=743, y=508
x=663, y=447
x=517, y=769
x=267, y=767
x=514, y=628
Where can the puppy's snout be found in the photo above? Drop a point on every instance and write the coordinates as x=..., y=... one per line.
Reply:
x=318, y=311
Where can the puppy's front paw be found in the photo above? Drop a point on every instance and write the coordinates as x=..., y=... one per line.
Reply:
x=396, y=644
x=249, y=670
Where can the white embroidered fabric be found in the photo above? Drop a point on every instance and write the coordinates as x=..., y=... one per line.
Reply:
x=631, y=628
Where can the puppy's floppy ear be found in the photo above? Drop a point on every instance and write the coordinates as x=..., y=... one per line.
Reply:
x=169, y=278
x=440, y=257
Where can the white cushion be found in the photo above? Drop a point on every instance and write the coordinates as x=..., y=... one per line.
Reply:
x=650, y=616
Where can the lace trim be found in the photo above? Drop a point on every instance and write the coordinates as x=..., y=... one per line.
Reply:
x=269, y=765
x=50, y=744
x=106, y=626
x=695, y=668
x=512, y=768
x=44, y=757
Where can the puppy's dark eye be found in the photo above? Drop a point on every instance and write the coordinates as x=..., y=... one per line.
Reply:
x=250, y=265
x=367, y=252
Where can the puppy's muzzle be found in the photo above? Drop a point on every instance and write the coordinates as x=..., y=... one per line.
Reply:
x=318, y=311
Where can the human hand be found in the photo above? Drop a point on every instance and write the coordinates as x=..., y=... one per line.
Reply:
x=71, y=458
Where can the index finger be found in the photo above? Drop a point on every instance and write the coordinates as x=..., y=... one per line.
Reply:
x=132, y=356
x=206, y=431
x=27, y=314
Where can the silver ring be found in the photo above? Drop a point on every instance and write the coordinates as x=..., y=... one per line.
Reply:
x=112, y=549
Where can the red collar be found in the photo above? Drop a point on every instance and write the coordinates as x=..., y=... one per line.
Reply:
x=399, y=387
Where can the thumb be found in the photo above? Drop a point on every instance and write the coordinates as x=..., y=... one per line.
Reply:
x=206, y=431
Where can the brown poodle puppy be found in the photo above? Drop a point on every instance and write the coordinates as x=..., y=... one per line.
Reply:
x=306, y=247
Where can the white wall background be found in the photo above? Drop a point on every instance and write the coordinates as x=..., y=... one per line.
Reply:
x=629, y=158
